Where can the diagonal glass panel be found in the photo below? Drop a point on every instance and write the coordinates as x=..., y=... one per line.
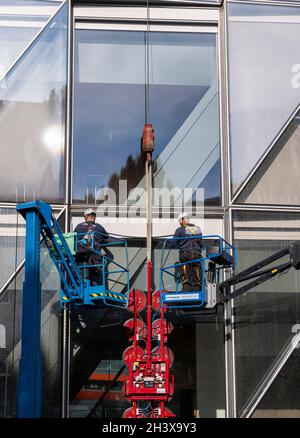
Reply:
x=33, y=98
x=20, y=22
x=263, y=92
x=266, y=316
x=283, y=399
x=274, y=181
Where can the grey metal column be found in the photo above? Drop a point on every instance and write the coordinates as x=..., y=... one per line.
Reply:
x=65, y=362
x=69, y=106
x=226, y=181
x=68, y=157
x=229, y=339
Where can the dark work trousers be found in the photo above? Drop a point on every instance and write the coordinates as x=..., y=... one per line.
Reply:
x=94, y=274
x=191, y=273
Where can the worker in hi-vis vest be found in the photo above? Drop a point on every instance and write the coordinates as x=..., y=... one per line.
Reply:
x=189, y=249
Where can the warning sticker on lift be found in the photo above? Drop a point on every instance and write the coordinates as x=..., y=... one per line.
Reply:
x=181, y=297
x=161, y=390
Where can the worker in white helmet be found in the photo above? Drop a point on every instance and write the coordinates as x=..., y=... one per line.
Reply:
x=188, y=239
x=91, y=237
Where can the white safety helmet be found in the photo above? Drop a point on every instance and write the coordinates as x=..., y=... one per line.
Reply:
x=89, y=211
x=182, y=215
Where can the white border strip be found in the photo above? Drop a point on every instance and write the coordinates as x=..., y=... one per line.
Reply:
x=140, y=14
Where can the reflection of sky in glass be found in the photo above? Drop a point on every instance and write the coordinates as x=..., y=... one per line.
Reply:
x=251, y=11
x=12, y=42
x=263, y=48
x=20, y=21
x=109, y=96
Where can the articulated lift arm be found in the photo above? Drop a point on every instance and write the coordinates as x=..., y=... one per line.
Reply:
x=260, y=276
x=55, y=242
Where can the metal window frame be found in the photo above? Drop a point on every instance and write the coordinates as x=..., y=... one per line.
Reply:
x=69, y=105
x=135, y=22
x=66, y=313
x=129, y=18
x=229, y=336
x=230, y=353
x=270, y=208
x=224, y=108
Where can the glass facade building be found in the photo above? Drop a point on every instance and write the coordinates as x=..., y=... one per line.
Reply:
x=219, y=81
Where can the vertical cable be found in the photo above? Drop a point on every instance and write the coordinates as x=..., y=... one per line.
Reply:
x=148, y=177
x=147, y=65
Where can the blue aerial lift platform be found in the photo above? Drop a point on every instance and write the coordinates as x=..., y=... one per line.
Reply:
x=75, y=289
x=216, y=255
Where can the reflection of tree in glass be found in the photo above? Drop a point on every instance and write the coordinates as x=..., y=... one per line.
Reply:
x=132, y=172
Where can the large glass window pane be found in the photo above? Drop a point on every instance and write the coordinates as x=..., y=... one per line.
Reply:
x=109, y=112
x=32, y=119
x=20, y=21
x=263, y=92
x=266, y=316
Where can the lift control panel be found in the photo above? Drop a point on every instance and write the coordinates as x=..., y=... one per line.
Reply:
x=151, y=379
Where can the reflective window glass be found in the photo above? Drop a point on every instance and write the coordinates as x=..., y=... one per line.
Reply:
x=265, y=317
x=264, y=67
x=109, y=111
x=20, y=22
x=32, y=118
